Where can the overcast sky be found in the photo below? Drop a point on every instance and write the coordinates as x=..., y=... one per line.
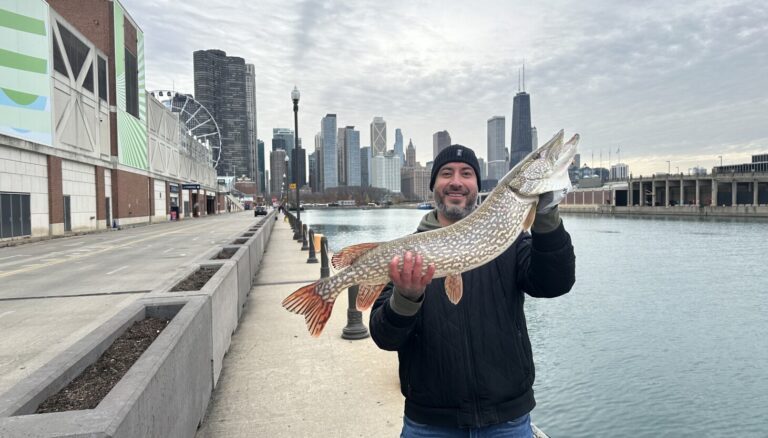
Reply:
x=682, y=83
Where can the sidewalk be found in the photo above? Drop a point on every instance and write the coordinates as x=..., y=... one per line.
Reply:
x=278, y=381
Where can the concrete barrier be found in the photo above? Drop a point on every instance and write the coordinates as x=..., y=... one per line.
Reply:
x=241, y=258
x=222, y=291
x=156, y=398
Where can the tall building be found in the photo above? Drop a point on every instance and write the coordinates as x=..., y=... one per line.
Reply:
x=352, y=156
x=378, y=136
x=497, y=166
x=330, y=171
x=341, y=155
x=262, y=164
x=521, y=129
x=299, y=166
x=415, y=183
x=385, y=172
x=220, y=86
x=483, y=170
x=440, y=141
x=399, y=145
x=318, y=162
x=283, y=138
x=365, y=166
x=619, y=172
x=253, y=133
x=278, y=185
x=312, y=164
x=410, y=154
x=534, y=139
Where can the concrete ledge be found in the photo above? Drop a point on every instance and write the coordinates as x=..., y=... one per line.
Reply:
x=221, y=290
x=156, y=397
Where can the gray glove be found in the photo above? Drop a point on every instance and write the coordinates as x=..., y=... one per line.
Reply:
x=548, y=201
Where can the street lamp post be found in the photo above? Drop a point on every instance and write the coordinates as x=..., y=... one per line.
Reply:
x=296, y=151
x=669, y=169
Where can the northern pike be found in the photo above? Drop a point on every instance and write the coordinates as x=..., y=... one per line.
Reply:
x=471, y=242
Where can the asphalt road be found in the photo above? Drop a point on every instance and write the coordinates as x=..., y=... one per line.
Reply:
x=53, y=292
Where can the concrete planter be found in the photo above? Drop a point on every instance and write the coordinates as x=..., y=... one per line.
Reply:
x=242, y=258
x=222, y=291
x=156, y=398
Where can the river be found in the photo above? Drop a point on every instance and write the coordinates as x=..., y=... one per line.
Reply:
x=665, y=332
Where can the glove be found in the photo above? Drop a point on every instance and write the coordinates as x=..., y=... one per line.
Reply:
x=548, y=201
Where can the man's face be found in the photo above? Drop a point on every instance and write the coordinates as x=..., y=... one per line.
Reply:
x=455, y=191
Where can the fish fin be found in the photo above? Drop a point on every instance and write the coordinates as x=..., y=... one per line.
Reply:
x=348, y=255
x=309, y=302
x=367, y=295
x=454, y=288
x=528, y=222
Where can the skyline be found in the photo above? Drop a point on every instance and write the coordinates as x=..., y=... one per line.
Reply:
x=662, y=83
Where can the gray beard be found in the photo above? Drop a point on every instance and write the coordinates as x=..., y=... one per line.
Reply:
x=455, y=213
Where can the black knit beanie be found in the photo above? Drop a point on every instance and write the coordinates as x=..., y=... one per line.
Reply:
x=452, y=154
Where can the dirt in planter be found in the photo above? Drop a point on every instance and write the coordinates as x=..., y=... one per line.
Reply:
x=88, y=389
x=240, y=241
x=197, y=279
x=226, y=253
x=247, y=234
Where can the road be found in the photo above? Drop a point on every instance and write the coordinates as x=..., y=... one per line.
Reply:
x=55, y=291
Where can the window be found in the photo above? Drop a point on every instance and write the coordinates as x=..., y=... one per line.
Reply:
x=15, y=218
x=76, y=50
x=102, y=78
x=88, y=81
x=58, y=61
x=131, y=84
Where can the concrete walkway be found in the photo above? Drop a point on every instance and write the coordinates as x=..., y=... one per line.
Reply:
x=278, y=381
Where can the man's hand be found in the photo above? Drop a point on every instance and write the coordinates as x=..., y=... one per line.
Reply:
x=409, y=281
x=548, y=201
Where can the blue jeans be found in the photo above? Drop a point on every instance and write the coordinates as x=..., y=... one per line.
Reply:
x=518, y=428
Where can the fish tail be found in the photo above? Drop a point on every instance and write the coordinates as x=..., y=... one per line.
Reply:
x=315, y=305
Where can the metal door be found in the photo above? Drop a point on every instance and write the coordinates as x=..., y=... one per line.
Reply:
x=67, y=215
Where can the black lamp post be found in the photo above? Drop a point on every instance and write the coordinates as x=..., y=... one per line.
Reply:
x=296, y=151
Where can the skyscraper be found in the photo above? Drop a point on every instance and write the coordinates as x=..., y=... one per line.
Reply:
x=483, y=170
x=521, y=128
x=220, y=85
x=497, y=163
x=253, y=134
x=277, y=170
x=312, y=164
x=262, y=166
x=341, y=155
x=399, y=145
x=365, y=166
x=328, y=131
x=440, y=141
x=352, y=154
x=534, y=139
x=410, y=154
x=378, y=136
x=318, y=162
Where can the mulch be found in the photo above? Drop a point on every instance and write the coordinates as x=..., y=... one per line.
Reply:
x=197, y=279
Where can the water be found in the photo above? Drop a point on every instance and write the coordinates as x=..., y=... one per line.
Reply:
x=664, y=334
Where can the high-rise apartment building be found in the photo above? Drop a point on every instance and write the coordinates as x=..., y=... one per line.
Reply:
x=378, y=136
x=365, y=166
x=341, y=155
x=278, y=184
x=385, y=172
x=329, y=163
x=399, y=145
x=534, y=139
x=312, y=164
x=521, y=129
x=497, y=165
x=253, y=133
x=318, y=162
x=262, y=165
x=483, y=170
x=410, y=154
x=220, y=86
x=352, y=156
x=415, y=183
x=440, y=141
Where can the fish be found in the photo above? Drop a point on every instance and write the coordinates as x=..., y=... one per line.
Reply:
x=473, y=241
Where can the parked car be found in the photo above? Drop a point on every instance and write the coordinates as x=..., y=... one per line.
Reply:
x=260, y=210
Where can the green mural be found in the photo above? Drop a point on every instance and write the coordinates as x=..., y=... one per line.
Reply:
x=25, y=79
x=131, y=131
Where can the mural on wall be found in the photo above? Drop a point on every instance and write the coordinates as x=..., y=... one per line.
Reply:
x=131, y=131
x=25, y=77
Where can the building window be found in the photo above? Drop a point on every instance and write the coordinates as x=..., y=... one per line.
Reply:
x=88, y=81
x=131, y=84
x=58, y=60
x=102, y=79
x=76, y=51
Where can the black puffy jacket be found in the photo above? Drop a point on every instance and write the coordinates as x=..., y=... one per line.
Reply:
x=471, y=365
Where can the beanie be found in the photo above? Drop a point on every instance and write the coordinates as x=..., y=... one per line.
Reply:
x=452, y=154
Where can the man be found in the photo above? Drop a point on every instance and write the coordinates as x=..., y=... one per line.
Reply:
x=468, y=368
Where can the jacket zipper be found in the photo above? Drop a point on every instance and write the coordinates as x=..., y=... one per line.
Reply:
x=471, y=375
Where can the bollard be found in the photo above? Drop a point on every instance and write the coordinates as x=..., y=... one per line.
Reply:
x=297, y=231
x=355, y=328
x=311, y=258
x=304, y=246
x=325, y=271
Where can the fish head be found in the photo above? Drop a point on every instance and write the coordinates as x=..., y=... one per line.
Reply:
x=545, y=169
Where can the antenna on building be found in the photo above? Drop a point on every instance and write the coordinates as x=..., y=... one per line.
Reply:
x=523, y=76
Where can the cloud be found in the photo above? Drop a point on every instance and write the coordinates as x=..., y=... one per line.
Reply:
x=654, y=78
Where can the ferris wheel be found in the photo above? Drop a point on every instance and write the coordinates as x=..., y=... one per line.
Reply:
x=198, y=121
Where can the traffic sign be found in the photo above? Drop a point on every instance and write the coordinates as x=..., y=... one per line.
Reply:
x=292, y=186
